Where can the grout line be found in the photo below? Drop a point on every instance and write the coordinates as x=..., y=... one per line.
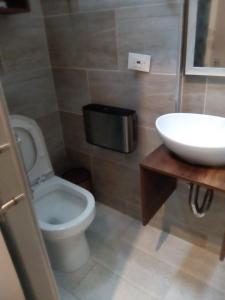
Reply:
x=25, y=72
x=80, y=114
x=94, y=264
x=173, y=265
x=85, y=69
x=78, y=283
x=43, y=30
x=70, y=112
x=163, y=74
x=3, y=67
x=206, y=92
x=117, y=40
x=92, y=10
x=181, y=92
x=110, y=70
x=88, y=87
x=179, y=71
x=124, y=278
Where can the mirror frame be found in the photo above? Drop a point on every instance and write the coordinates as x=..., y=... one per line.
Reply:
x=190, y=69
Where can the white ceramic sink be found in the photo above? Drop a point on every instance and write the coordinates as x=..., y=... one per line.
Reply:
x=197, y=138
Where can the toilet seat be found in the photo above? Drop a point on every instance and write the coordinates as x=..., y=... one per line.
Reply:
x=76, y=224
x=33, y=149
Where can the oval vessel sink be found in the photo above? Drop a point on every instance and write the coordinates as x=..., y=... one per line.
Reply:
x=197, y=138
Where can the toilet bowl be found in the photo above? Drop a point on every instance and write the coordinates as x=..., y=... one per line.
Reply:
x=63, y=209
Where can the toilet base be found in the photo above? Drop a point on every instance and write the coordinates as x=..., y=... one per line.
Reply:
x=68, y=255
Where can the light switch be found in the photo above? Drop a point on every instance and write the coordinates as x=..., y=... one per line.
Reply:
x=139, y=62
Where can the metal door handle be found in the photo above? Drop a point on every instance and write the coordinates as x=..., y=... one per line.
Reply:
x=4, y=147
x=12, y=202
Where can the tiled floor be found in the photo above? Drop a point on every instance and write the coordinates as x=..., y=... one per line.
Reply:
x=130, y=261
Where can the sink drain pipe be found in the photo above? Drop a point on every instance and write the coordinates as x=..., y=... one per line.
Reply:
x=199, y=209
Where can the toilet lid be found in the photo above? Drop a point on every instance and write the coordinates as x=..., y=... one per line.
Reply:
x=32, y=147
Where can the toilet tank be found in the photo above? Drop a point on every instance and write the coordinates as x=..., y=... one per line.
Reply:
x=110, y=127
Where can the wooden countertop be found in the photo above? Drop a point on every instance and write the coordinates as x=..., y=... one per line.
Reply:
x=164, y=162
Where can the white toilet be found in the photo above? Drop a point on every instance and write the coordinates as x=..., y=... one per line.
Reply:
x=63, y=209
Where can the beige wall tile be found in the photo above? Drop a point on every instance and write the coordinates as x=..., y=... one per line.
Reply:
x=54, y=7
x=23, y=43
x=177, y=218
x=83, y=40
x=150, y=95
x=133, y=210
x=109, y=4
x=215, y=104
x=31, y=93
x=182, y=231
x=129, y=207
x=194, y=88
x=78, y=159
x=146, y=30
x=148, y=140
x=111, y=202
x=36, y=9
x=52, y=130
x=109, y=155
x=71, y=89
x=27, y=77
x=74, y=135
x=1, y=66
x=116, y=181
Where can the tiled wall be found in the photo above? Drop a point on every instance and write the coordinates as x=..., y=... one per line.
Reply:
x=89, y=43
x=204, y=95
x=27, y=77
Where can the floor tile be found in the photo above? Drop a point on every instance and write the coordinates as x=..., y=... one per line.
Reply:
x=101, y=284
x=70, y=281
x=142, y=270
x=158, y=243
x=129, y=261
x=200, y=263
x=108, y=223
x=186, y=287
x=64, y=295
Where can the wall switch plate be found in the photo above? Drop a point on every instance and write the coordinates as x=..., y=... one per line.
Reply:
x=139, y=62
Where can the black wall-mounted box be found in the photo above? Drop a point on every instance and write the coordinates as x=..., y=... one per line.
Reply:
x=111, y=127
